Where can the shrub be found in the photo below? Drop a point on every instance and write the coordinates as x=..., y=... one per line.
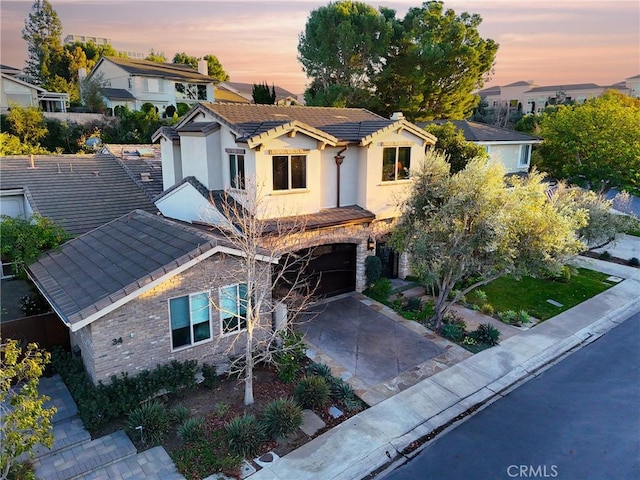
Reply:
x=153, y=418
x=281, y=417
x=179, y=413
x=353, y=404
x=634, y=262
x=341, y=390
x=452, y=332
x=182, y=108
x=565, y=274
x=414, y=304
x=33, y=304
x=312, y=392
x=523, y=317
x=209, y=375
x=372, y=269
x=191, y=429
x=481, y=296
x=510, y=316
x=289, y=355
x=487, y=309
x=319, y=369
x=605, y=255
x=22, y=471
x=221, y=409
x=380, y=290
x=486, y=334
x=452, y=318
x=245, y=435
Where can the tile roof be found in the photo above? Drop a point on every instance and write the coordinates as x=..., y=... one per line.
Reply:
x=143, y=163
x=557, y=88
x=329, y=217
x=481, y=132
x=94, y=271
x=172, y=71
x=78, y=192
x=117, y=94
x=346, y=124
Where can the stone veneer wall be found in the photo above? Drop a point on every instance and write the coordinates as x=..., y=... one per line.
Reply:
x=143, y=325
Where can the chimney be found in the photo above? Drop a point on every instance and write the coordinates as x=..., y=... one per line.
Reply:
x=397, y=116
x=203, y=67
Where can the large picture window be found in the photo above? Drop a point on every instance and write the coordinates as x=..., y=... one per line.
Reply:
x=395, y=163
x=289, y=172
x=236, y=170
x=190, y=319
x=233, y=308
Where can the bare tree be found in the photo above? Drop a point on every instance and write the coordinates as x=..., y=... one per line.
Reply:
x=269, y=285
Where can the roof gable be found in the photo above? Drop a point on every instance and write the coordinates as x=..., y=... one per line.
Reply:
x=95, y=273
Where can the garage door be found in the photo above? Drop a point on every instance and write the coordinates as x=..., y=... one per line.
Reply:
x=333, y=266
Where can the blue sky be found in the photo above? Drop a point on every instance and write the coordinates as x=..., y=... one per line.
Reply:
x=550, y=42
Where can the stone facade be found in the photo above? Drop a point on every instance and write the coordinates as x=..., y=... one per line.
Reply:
x=137, y=336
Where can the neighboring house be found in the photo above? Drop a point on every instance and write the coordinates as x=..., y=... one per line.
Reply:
x=245, y=91
x=532, y=98
x=132, y=83
x=15, y=90
x=511, y=148
x=77, y=192
x=342, y=170
x=140, y=291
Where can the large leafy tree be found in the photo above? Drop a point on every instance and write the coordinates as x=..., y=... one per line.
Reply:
x=86, y=55
x=595, y=145
x=185, y=59
x=466, y=229
x=215, y=68
x=42, y=31
x=342, y=48
x=452, y=143
x=157, y=57
x=435, y=63
x=25, y=420
x=27, y=123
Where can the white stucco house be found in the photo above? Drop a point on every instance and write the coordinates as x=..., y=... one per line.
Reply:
x=14, y=90
x=342, y=170
x=132, y=83
x=510, y=148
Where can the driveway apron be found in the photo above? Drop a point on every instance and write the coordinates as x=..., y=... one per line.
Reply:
x=366, y=343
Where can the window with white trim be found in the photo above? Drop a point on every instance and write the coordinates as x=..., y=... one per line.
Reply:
x=236, y=170
x=289, y=172
x=190, y=319
x=396, y=162
x=153, y=85
x=233, y=308
x=525, y=154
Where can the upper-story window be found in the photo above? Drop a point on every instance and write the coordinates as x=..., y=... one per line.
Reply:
x=396, y=162
x=289, y=172
x=190, y=319
x=153, y=85
x=525, y=154
x=190, y=91
x=236, y=170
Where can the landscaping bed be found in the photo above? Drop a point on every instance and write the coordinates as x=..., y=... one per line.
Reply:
x=193, y=422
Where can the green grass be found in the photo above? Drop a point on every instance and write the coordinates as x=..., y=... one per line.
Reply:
x=531, y=294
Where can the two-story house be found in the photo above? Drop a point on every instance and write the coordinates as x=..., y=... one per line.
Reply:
x=132, y=83
x=343, y=170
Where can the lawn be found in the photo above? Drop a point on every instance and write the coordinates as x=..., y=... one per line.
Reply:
x=531, y=294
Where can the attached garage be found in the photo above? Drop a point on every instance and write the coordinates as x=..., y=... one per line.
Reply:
x=333, y=266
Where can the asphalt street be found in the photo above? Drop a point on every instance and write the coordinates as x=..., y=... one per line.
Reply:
x=579, y=419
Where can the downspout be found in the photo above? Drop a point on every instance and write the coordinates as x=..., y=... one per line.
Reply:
x=339, y=159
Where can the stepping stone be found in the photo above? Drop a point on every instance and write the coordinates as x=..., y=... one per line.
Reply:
x=614, y=279
x=266, y=459
x=554, y=303
x=335, y=412
x=246, y=469
x=311, y=422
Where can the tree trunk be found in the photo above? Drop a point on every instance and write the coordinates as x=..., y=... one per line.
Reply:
x=248, y=372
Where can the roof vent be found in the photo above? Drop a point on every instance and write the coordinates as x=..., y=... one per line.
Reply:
x=145, y=177
x=397, y=116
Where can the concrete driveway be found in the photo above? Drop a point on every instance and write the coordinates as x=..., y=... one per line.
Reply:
x=373, y=349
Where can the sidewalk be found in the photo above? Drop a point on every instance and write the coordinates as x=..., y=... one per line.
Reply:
x=375, y=437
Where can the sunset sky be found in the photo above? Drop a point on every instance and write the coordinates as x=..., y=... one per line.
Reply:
x=550, y=42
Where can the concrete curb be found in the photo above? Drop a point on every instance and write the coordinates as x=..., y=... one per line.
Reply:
x=375, y=440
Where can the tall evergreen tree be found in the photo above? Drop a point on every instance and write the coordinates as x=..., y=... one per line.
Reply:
x=42, y=32
x=262, y=94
